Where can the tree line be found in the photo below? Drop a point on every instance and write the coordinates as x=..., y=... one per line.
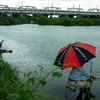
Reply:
x=43, y=20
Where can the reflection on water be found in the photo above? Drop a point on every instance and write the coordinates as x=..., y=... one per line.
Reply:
x=34, y=45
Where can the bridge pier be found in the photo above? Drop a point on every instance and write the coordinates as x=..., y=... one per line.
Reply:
x=51, y=15
x=71, y=16
x=3, y=14
x=16, y=15
x=94, y=16
x=35, y=15
x=21, y=14
x=62, y=15
x=84, y=16
x=45, y=15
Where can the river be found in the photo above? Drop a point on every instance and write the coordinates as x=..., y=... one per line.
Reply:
x=34, y=45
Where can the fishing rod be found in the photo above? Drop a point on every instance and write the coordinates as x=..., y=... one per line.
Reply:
x=90, y=68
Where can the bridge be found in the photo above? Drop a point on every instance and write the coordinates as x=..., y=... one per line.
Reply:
x=71, y=12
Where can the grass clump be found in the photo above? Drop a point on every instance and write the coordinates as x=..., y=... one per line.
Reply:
x=9, y=82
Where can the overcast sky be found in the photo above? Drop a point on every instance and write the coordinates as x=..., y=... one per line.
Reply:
x=63, y=4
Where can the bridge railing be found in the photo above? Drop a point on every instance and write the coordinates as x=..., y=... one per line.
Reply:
x=93, y=10
x=52, y=8
x=4, y=7
x=75, y=9
x=27, y=8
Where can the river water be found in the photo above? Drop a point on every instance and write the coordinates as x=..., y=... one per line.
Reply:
x=34, y=45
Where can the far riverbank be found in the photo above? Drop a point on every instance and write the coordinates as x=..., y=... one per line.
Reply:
x=43, y=20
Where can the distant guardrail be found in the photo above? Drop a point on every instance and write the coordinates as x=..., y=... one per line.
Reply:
x=5, y=7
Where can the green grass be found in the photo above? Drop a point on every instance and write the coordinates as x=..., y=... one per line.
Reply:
x=9, y=81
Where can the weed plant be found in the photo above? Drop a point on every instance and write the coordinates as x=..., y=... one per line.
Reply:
x=11, y=87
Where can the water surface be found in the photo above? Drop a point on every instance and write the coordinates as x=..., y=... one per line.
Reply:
x=34, y=45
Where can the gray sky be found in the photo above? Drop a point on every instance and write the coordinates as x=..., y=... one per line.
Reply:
x=63, y=4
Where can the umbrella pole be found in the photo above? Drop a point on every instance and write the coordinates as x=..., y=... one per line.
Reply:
x=91, y=68
x=90, y=73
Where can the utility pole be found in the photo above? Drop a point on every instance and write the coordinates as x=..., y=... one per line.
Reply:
x=79, y=7
x=18, y=3
x=73, y=6
x=21, y=3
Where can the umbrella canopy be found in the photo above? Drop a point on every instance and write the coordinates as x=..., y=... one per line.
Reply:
x=75, y=55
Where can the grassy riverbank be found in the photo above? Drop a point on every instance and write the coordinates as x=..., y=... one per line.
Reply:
x=12, y=88
x=43, y=20
x=9, y=82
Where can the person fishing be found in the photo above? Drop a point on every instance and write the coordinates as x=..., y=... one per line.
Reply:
x=75, y=80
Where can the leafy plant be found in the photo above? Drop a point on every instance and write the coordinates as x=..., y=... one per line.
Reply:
x=11, y=87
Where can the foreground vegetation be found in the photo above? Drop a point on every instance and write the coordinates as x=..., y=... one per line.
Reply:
x=11, y=88
x=43, y=20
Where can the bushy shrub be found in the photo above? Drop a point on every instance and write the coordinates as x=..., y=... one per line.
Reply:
x=42, y=20
x=66, y=21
